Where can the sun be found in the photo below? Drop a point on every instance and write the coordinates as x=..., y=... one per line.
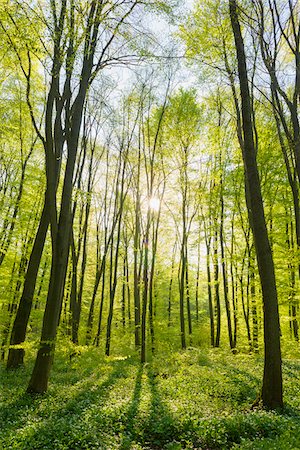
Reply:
x=154, y=204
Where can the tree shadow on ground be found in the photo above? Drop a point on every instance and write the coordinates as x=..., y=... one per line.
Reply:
x=155, y=428
x=57, y=423
x=246, y=385
x=161, y=427
x=130, y=434
x=291, y=368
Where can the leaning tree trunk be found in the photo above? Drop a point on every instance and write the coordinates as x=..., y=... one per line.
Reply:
x=18, y=334
x=39, y=378
x=60, y=234
x=271, y=394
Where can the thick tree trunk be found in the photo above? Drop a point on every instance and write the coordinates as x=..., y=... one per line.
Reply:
x=39, y=378
x=271, y=394
x=13, y=304
x=16, y=355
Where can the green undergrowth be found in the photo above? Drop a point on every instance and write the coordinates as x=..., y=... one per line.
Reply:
x=197, y=399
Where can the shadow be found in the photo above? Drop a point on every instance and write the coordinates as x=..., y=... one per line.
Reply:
x=14, y=400
x=130, y=433
x=161, y=428
x=155, y=430
x=291, y=368
x=243, y=388
x=61, y=423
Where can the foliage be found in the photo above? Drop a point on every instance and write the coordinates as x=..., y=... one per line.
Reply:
x=196, y=399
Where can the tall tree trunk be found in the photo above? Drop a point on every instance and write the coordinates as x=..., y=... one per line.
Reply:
x=40, y=375
x=74, y=307
x=128, y=289
x=217, y=311
x=120, y=197
x=97, y=338
x=224, y=270
x=197, y=283
x=233, y=283
x=60, y=234
x=13, y=305
x=209, y=292
x=124, y=289
x=182, y=292
x=145, y=289
x=188, y=302
x=271, y=394
x=151, y=285
x=293, y=303
x=171, y=284
x=136, y=253
x=37, y=303
x=18, y=334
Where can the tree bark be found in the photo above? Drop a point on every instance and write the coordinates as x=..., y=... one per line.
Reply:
x=18, y=334
x=271, y=394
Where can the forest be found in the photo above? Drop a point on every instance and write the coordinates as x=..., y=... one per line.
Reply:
x=149, y=224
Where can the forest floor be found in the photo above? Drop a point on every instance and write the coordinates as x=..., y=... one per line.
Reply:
x=197, y=399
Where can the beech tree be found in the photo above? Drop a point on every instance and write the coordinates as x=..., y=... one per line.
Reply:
x=64, y=109
x=271, y=394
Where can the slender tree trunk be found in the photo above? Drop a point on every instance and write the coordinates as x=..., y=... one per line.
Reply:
x=224, y=271
x=74, y=307
x=217, y=311
x=136, y=253
x=128, y=289
x=97, y=339
x=120, y=196
x=233, y=291
x=170, y=285
x=13, y=305
x=37, y=303
x=293, y=303
x=210, y=297
x=151, y=288
x=253, y=301
x=10, y=229
x=188, y=302
x=246, y=309
x=181, y=293
x=197, y=284
x=145, y=289
x=124, y=289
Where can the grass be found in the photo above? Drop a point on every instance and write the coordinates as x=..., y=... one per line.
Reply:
x=197, y=399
